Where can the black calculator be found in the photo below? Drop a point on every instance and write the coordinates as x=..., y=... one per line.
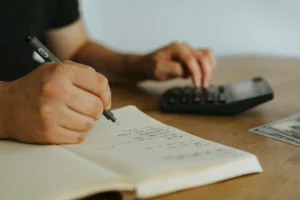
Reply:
x=228, y=99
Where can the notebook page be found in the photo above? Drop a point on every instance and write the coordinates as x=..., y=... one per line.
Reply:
x=141, y=147
x=51, y=172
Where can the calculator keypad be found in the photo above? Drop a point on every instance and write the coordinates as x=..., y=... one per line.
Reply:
x=190, y=95
x=224, y=99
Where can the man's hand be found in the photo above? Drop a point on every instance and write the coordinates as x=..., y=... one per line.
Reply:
x=54, y=104
x=180, y=60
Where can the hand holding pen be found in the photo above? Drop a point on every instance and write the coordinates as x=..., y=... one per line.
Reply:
x=50, y=57
x=56, y=103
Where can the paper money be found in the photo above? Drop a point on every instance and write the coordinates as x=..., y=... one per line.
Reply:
x=265, y=131
x=290, y=128
x=287, y=129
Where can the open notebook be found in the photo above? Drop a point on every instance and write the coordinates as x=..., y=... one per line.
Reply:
x=141, y=156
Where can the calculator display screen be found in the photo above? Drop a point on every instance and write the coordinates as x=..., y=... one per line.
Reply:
x=243, y=90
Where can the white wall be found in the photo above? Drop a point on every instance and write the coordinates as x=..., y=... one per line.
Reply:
x=228, y=27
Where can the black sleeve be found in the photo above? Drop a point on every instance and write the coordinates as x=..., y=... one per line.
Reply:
x=63, y=13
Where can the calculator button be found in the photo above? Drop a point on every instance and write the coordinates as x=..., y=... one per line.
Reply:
x=198, y=94
x=197, y=99
x=257, y=79
x=221, y=89
x=222, y=98
x=213, y=88
x=175, y=92
x=187, y=91
x=183, y=100
x=171, y=101
x=198, y=91
x=209, y=97
x=204, y=90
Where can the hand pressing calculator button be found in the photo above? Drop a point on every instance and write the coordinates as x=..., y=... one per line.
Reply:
x=226, y=99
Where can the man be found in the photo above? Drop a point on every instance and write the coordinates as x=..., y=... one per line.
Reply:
x=57, y=103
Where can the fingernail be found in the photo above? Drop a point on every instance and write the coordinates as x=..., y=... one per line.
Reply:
x=109, y=106
x=80, y=139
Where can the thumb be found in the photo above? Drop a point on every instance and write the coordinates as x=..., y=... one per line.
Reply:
x=168, y=69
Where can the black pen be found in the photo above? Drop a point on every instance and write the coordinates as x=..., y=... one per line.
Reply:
x=45, y=53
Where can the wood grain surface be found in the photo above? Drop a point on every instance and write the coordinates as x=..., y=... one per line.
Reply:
x=280, y=161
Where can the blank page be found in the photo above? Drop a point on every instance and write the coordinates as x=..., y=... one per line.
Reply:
x=51, y=172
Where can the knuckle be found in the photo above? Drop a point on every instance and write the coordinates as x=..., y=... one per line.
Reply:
x=103, y=81
x=207, y=52
x=62, y=68
x=65, y=68
x=201, y=54
x=53, y=89
x=90, y=69
x=46, y=111
x=98, y=108
x=175, y=44
x=68, y=62
x=189, y=58
x=185, y=44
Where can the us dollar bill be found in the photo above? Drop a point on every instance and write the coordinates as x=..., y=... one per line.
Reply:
x=290, y=128
x=274, y=134
x=287, y=129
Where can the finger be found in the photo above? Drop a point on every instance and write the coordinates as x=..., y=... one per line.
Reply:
x=206, y=68
x=67, y=136
x=187, y=57
x=88, y=79
x=212, y=60
x=168, y=69
x=84, y=102
x=211, y=57
x=75, y=121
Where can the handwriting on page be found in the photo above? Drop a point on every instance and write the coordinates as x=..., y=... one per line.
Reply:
x=178, y=145
x=195, y=154
x=143, y=134
x=174, y=144
x=150, y=132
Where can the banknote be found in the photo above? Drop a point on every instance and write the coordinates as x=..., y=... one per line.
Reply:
x=287, y=129
x=274, y=134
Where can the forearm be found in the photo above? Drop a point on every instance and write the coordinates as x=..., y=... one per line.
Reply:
x=2, y=108
x=117, y=67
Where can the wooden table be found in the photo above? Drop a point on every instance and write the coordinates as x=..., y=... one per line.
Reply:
x=280, y=161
